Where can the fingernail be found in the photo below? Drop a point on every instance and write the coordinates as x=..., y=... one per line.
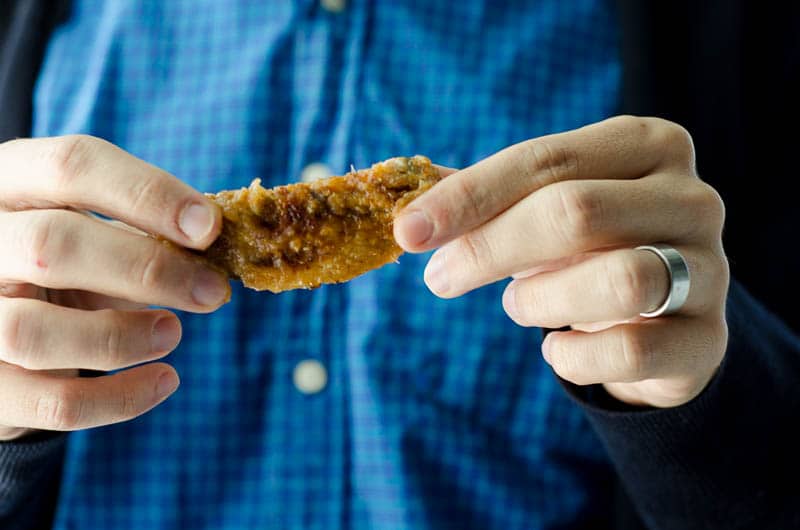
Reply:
x=436, y=273
x=209, y=289
x=196, y=221
x=166, y=334
x=416, y=228
x=546, y=348
x=510, y=301
x=166, y=385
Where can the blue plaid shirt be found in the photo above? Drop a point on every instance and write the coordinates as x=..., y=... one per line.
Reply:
x=436, y=413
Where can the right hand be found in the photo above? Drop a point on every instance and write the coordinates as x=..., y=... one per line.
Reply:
x=74, y=289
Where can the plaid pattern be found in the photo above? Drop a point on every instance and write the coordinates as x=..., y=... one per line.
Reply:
x=438, y=414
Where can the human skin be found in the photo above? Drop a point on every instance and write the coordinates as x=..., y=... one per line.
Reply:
x=562, y=215
x=74, y=289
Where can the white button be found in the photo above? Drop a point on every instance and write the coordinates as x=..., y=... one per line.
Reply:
x=315, y=171
x=310, y=376
x=334, y=6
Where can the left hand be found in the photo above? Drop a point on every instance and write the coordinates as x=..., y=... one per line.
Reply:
x=562, y=214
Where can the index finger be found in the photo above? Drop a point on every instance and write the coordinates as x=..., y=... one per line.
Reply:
x=88, y=173
x=624, y=147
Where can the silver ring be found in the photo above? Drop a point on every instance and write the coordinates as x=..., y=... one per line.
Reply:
x=679, y=280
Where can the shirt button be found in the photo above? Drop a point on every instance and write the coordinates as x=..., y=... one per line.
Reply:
x=334, y=6
x=310, y=376
x=314, y=172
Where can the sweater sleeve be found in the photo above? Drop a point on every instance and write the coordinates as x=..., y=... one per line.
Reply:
x=30, y=471
x=728, y=458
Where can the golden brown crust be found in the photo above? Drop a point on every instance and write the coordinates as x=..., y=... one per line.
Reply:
x=328, y=231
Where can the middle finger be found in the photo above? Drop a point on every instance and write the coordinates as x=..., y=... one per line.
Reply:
x=559, y=221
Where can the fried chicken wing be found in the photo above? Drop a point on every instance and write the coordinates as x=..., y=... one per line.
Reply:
x=307, y=234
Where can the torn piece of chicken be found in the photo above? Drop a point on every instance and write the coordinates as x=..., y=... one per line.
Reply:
x=307, y=234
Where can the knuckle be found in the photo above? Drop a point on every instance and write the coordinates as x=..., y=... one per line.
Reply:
x=128, y=404
x=61, y=409
x=18, y=335
x=719, y=335
x=470, y=196
x=114, y=354
x=147, y=194
x=541, y=159
x=150, y=267
x=674, y=138
x=706, y=208
x=576, y=213
x=70, y=157
x=713, y=207
x=45, y=239
x=722, y=273
x=635, y=354
x=680, y=138
x=476, y=251
x=11, y=322
x=630, y=285
x=628, y=122
x=711, y=268
x=712, y=343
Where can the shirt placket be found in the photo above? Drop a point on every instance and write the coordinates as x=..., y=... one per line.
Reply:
x=322, y=96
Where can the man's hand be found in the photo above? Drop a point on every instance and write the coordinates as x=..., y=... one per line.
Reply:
x=562, y=214
x=74, y=289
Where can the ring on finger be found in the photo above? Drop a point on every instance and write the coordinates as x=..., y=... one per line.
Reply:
x=679, y=280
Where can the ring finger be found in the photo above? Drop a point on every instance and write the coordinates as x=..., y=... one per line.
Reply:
x=611, y=286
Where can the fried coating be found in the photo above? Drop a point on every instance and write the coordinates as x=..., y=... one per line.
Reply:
x=307, y=234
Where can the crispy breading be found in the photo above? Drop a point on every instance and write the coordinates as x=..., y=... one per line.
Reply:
x=307, y=234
